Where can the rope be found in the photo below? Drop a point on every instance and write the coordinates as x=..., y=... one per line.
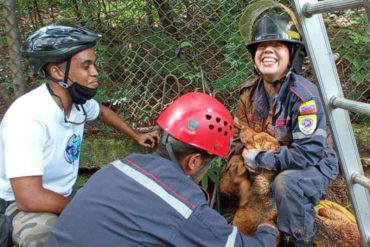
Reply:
x=337, y=207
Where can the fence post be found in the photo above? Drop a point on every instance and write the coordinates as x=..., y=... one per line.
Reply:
x=13, y=40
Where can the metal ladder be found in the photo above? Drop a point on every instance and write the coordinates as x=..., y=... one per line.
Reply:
x=322, y=60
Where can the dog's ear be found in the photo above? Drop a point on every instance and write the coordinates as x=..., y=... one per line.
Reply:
x=235, y=166
x=239, y=164
x=242, y=170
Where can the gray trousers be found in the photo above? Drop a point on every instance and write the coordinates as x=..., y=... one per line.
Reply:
x=30, y=229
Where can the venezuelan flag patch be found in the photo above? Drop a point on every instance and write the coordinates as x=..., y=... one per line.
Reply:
x=307, y=123
x=308, y=107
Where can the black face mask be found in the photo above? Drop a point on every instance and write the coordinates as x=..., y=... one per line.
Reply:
x=80, y=94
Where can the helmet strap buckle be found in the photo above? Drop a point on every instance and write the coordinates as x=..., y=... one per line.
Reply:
x=63, y=84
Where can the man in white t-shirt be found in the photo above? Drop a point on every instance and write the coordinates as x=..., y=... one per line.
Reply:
x=42, y=131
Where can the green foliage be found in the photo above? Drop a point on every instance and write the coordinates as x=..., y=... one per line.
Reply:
x=150, y=54
x=230, y=81
x=213, y=174
x=98, y=150
x=239, y=65
x=355, y=44
x=185, y=44
x=352, y=43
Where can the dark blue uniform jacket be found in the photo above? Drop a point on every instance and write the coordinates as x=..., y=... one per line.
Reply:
x=146, y=200
x=298, y=122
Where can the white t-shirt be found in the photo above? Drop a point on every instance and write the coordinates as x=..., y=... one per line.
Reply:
x=36, y=141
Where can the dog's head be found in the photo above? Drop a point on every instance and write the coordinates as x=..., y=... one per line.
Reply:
x=234, y=175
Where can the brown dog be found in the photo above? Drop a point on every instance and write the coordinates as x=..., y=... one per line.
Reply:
x=332, y=227
x=256, y=204
x=261, y=141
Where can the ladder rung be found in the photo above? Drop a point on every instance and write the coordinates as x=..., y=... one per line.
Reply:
x=359, y=179
x=350, y=105
x=310, y=9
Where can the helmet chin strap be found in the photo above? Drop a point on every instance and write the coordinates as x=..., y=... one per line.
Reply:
x=297, y=59
x=64, y=83
x=281, y=80
x=166, y=140
x=256, y=70
x=202, y=169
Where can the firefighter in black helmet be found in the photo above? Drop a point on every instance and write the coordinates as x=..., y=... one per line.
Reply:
x=279, y=28
x=285, y=105
x=41, y=133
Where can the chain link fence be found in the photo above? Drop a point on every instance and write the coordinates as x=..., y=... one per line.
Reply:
x=154, y=50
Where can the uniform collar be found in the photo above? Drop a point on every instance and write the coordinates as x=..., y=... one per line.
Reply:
x=260, y=100
x=285, y=84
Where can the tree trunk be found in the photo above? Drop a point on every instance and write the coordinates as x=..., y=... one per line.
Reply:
x=14, y=44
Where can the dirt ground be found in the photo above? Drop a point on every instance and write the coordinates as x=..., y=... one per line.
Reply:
x=338, y=191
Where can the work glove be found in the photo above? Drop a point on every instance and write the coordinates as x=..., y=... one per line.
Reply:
x=249, y=156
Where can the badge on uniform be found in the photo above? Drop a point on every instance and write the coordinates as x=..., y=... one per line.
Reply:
x=307, y=107
x=307, y=123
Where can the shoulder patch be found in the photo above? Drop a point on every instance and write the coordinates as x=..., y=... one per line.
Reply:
x=308, y=107
x=307, y=123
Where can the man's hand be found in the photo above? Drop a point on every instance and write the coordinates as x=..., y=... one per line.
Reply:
x=249, y=156
x=148, y=140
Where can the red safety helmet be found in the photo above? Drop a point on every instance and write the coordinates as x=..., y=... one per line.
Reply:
x=200, y=120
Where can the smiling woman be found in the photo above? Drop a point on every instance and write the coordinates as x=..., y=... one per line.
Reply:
x=272, y=59
x=285, y=105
